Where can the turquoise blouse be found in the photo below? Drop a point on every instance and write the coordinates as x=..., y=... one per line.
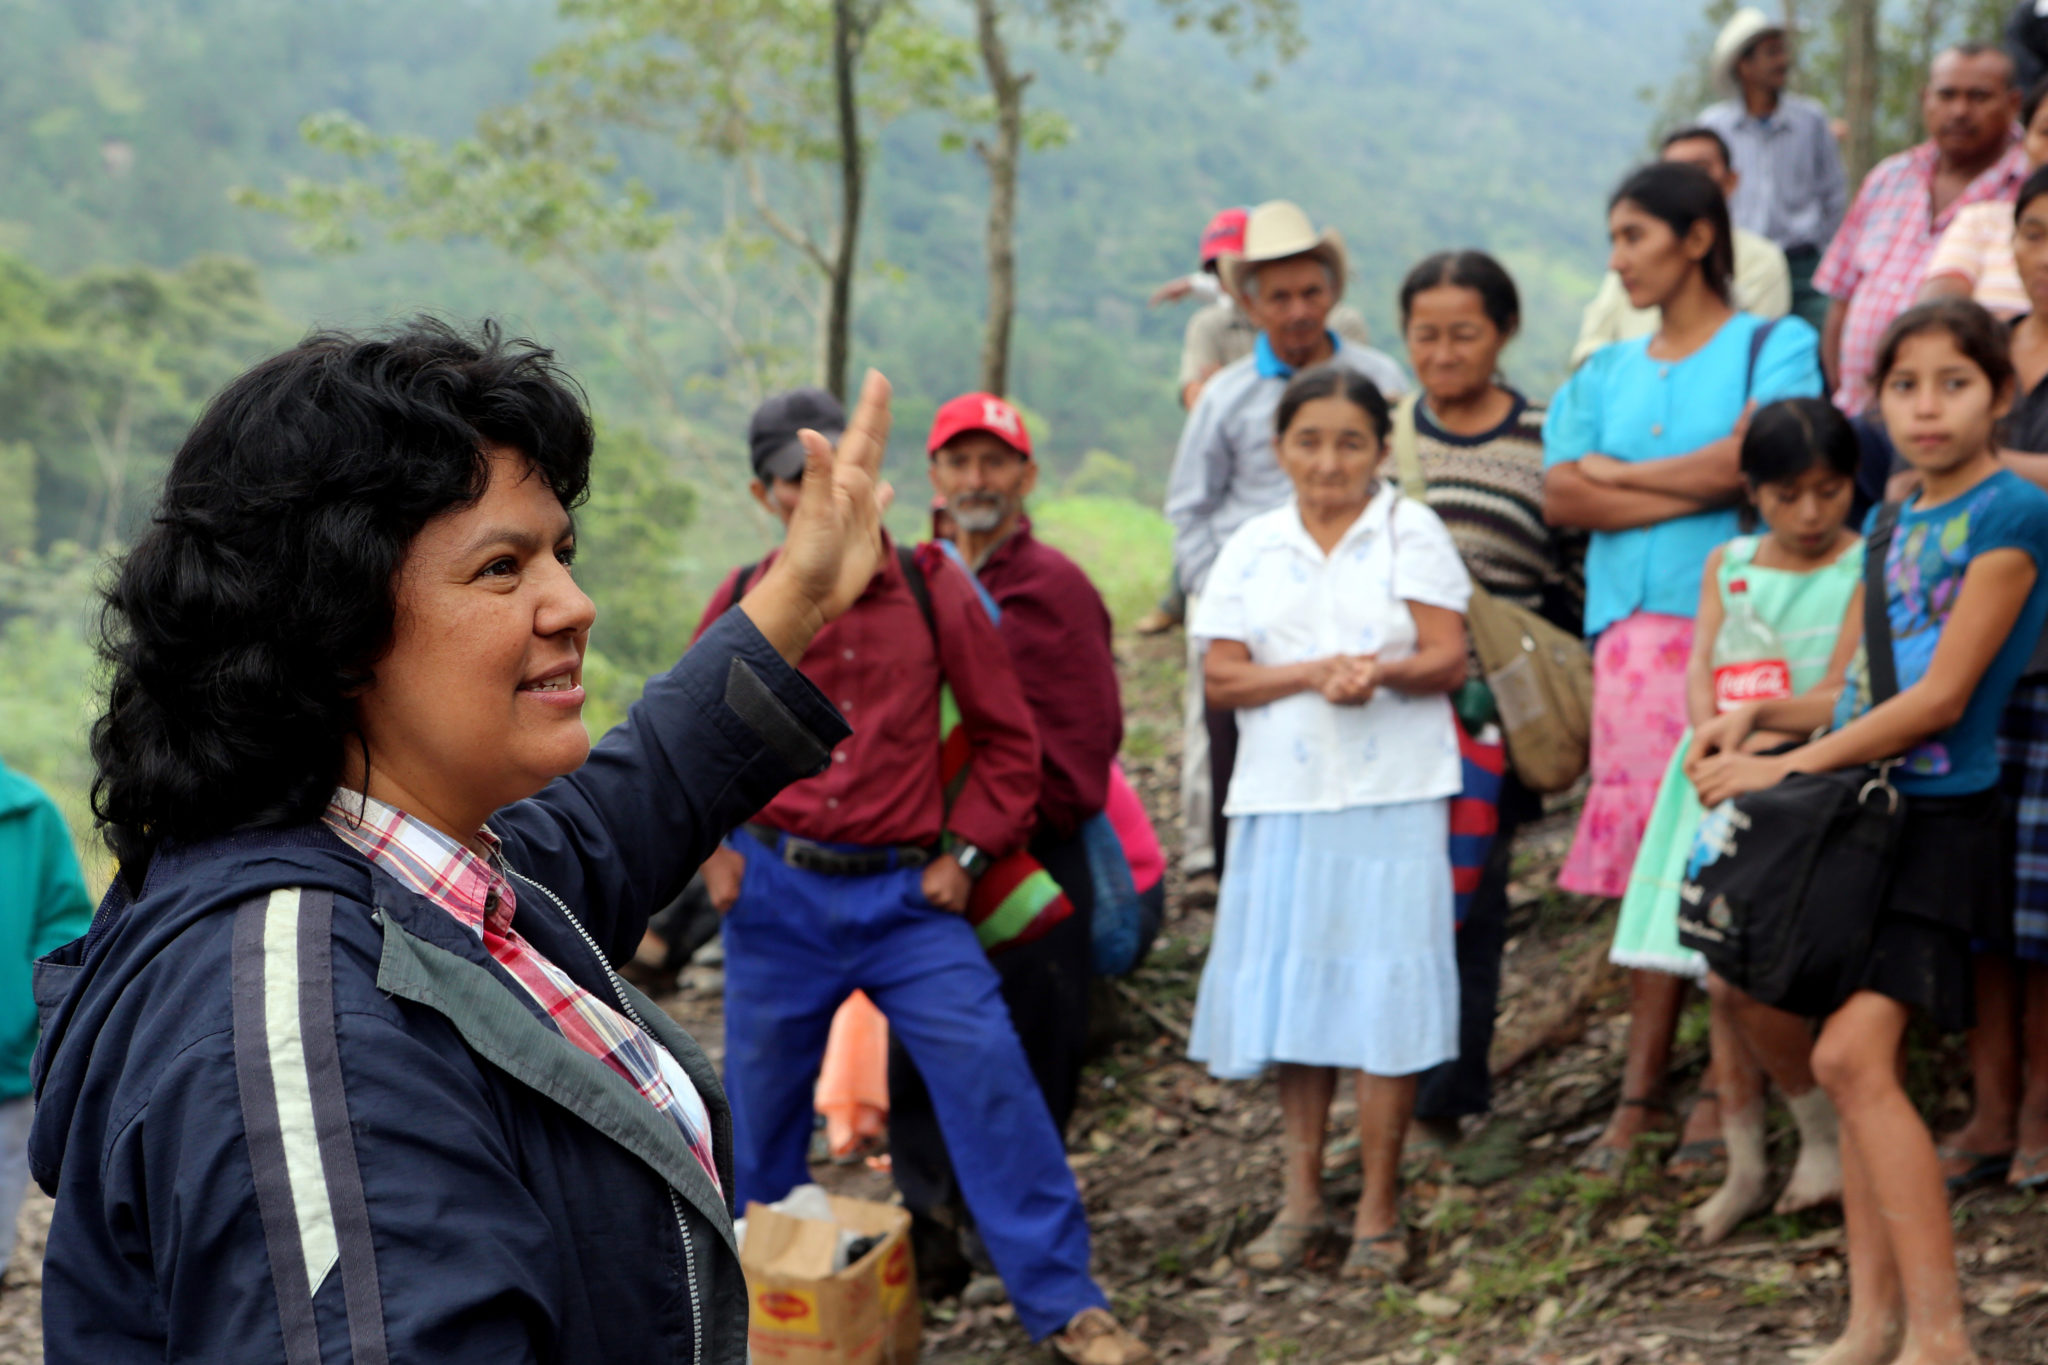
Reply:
x=1623, y=403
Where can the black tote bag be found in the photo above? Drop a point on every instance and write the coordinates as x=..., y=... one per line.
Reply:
x=1782, y=891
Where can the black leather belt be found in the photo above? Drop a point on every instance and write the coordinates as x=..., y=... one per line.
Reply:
x=833, y=862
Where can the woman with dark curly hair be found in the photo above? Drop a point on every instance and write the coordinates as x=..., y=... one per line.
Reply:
x=342, y=1070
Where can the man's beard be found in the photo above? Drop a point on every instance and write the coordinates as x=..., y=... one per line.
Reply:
x=980, y=516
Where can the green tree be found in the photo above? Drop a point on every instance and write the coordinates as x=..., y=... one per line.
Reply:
x=774, y=97
x=1092, y=29
x=631, y=542
x=102, y=372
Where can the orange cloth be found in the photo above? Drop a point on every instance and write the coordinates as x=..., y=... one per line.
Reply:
x=853, y=1082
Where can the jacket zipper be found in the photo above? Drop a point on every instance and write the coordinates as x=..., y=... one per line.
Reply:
x=675, y=1205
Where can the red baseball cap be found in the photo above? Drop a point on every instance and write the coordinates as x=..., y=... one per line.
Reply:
x=1225, y=235
x=979, y=412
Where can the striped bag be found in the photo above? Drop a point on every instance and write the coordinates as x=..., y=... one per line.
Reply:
x=1475, y=818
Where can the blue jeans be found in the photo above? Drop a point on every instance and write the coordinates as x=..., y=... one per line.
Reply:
x=797, y=943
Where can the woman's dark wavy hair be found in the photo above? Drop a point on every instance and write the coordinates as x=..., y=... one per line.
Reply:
x=1682, y=195
x=258, y=602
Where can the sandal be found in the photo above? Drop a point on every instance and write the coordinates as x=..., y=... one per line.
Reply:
x=1282, y=1246
x=1983, y=1166
x=1605, y=1161
x=1696, y=1158
x=1384, y=1257
x=2029, y=1170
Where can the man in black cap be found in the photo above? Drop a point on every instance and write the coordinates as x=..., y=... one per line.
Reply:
x=775, y=452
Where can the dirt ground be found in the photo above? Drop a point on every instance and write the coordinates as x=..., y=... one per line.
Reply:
x=1521, y=1260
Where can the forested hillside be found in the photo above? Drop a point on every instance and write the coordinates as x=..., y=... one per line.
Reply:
x=1410, y=125
x=133, y=282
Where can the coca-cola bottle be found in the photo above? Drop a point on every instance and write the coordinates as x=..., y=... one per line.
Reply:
x=1749, y=663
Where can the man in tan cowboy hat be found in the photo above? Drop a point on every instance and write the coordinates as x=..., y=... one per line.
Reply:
x=1287, y=279
x=1792, y=187
x=1220, y=332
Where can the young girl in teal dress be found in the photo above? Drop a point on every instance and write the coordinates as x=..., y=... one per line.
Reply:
x=1770, y=608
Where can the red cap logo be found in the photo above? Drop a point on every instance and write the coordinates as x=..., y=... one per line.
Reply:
x=979, y=412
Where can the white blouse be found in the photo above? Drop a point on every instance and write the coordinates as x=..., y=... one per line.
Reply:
x=1276, y=592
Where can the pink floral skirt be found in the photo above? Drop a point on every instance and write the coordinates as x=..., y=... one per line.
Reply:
x=1639, y=668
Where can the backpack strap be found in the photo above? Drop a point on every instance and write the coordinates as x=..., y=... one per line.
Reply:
x=912, y=575
x=920, y=587
x=988, y=601
x=741, y=579
x=1757, y=339
x=1877, y=621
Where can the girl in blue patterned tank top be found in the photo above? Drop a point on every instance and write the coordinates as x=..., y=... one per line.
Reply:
x=1965, y=602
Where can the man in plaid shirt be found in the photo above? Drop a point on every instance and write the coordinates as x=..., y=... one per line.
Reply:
x=1873, y=270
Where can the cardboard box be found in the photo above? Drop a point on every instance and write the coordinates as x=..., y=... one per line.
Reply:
x=866, y=1314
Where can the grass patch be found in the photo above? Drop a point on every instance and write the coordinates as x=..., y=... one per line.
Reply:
x=1125, y=546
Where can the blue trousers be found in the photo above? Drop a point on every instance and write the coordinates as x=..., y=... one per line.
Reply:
x=797, y=943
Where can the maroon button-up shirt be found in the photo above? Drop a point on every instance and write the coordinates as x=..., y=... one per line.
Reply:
x=1059, y=637
x=880, y=666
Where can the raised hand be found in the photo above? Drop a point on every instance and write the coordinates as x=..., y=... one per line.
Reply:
x=834, y=545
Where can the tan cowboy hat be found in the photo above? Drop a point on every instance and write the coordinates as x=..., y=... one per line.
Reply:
x=1277, y=231
x=1743, y=28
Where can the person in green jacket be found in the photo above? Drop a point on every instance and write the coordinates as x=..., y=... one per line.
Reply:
x=43, y=906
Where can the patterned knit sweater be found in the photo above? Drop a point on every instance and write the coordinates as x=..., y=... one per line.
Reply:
x=1488, y=489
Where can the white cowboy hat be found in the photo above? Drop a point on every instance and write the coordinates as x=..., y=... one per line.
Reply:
x=1743, y=28
x=1277, y=231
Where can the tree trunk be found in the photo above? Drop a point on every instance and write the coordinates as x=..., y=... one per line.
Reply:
x=1000, y=157
x=1859, y=85
x=847, y=34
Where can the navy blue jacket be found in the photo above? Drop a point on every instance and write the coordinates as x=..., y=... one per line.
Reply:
x=293, y=1112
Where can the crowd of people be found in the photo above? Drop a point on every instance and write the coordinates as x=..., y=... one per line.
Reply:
x=346, y=1031
x=1690, y=504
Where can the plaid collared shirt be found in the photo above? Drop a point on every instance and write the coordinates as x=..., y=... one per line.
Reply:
x=1880, y=256
x=478, y=894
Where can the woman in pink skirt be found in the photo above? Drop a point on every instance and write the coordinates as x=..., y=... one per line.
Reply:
x=1641, y=447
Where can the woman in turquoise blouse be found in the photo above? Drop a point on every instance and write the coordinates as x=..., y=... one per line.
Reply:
x=1641, y=447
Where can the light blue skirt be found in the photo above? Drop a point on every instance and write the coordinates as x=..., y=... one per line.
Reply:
x=1334, y=944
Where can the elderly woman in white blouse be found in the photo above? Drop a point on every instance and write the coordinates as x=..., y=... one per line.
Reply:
x=1335, y=628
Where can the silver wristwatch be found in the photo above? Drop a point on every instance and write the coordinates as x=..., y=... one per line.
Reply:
x=971, y=859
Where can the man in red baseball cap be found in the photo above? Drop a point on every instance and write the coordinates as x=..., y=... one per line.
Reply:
x=1058, y=633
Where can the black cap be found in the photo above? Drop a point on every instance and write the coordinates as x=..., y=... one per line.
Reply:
x=771, y=436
